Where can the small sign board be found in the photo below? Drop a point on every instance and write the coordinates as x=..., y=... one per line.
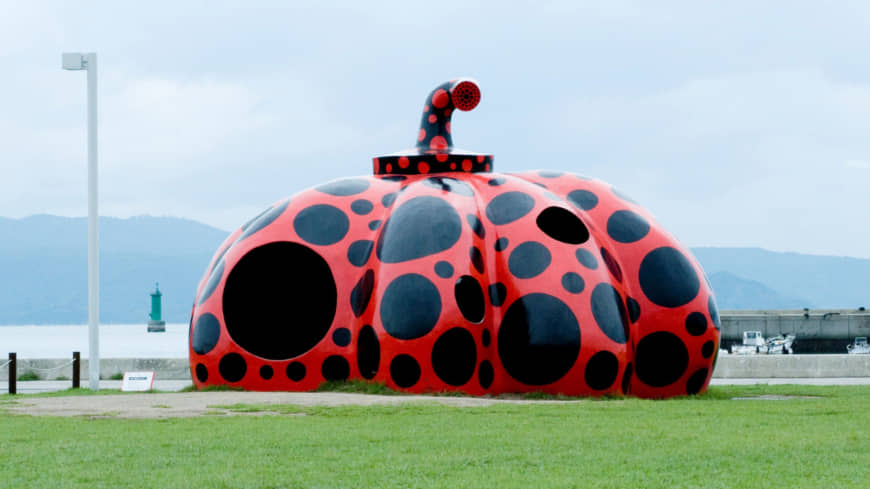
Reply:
x=137, y=381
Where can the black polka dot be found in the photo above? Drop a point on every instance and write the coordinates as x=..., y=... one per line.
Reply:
x=420, y=227
x=485, y=338
x=213, y=280
x=362, y=293
x=232, y=367
x=587, y=259
x=601, y=370
x=696, y=324
x=454, y=356
x=344, y=187
x=633, y=309
x=550, y=173
x=469, y=298
x=538, y=340
x=609, y=312
x=562, y=225
x=388, y=199
x=667, y=278
x=501, y=244
x=485, y=374
x=714, y=311
x=201, y=372
x=539, y=184
x=444, y=269
x=361, y=207
x=573, y=283
x=335, y=367
x=410, y=307
x=295, y=371
x=404, y=370
x=254, y=219
x=266, y=372
x=394, y=178
x=626, y=379
x=497, y=294
x=707, y=349
x=661, y=359
x=341, y=336
x=508, y=207
x=529, y=260
x=321, y=224
x=612, y=265
x=476, y=259
x=264, y=220
x=696, y=382
x=476, y=225
x=279, y=300
x=622, y=195
x=374, y=225
x=583, y=199
x=626, y=227
x=206, y=334
x=359, y=251
x=447, y=184
x=495, y=182
x=368, y=352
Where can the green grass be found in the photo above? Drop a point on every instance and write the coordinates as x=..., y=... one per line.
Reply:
x=29, y=375
x=708, y=441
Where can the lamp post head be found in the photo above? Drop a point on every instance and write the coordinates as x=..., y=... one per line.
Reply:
x=76, y=61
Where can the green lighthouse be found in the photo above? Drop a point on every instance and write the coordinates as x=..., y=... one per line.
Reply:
x=156, y=324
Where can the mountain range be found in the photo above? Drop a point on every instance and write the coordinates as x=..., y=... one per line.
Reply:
x=43, y=271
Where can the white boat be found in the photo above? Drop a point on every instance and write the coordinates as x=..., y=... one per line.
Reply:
x=859, y=347
x=754, y=343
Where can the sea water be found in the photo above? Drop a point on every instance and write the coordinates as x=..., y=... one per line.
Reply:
x=116, y=341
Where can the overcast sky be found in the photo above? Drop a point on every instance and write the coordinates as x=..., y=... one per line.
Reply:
x=735, y=123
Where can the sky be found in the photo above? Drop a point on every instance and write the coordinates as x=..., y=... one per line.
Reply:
x=735, y=123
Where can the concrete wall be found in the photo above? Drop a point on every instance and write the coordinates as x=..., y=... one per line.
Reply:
x=727, y=366
x=816, y=331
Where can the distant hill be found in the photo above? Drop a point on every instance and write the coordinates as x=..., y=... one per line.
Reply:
x=824, y=281
x=43, y=271
x=43, y=267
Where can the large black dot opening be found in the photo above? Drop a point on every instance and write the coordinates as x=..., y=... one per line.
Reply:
x=454, y=356
x=562, y=225
x=410, y=307
x=609, y=312
x=279, y=300
x=667, y=278
x=404, y=370
x=368, y=352
x=201, y=372
x=344, y=187
x=529, y=259
x=321, y=224
x=696, y=324
x=335, y=367
x=485, y=374
x=539, y=339
x=206, y=334
x=661, y=359
x=362, y=293
x=626, y=226
x=696, y=382
x=583, y=199
x=295, y=371
x=420, y=227
x=232, y=367
x=359, y=251
x=469, y=298
x=508, y=207
x=601, y=370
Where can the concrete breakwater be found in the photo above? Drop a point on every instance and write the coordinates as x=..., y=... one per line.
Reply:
x=727, y=366
x=816, y=330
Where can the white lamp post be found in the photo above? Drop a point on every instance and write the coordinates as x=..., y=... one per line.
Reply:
x=88, y=61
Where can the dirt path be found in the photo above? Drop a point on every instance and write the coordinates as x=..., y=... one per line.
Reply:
x=187, y=404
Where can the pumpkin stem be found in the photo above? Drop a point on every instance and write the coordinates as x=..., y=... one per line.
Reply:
x=434, y=134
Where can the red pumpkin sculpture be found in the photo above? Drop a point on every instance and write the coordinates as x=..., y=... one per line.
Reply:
x=437, y=275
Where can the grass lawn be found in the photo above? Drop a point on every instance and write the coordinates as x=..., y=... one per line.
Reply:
x=708, y=441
